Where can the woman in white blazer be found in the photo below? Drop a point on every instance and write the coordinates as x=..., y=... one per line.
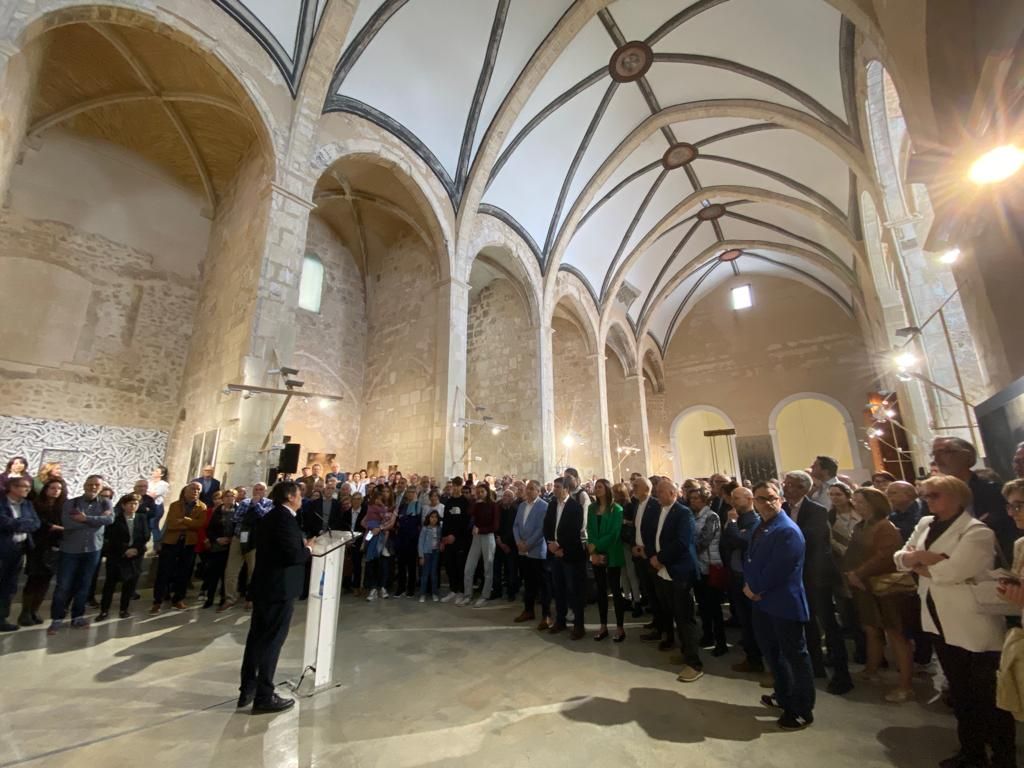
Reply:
x=946, y=549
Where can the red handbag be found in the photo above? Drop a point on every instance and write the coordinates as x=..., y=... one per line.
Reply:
x=718, y=577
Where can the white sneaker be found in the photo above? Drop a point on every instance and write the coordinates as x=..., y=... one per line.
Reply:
x=450, y=597
x=384, y=594
x=372, y=596
x=480, y=603
x=423, y=599
x=437, y=599
x=466, y=600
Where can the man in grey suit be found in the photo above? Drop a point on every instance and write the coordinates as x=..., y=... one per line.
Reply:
x=528, y=531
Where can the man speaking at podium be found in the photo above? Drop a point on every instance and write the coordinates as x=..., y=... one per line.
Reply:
x=281, y=560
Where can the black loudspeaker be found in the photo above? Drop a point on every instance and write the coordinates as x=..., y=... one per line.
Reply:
x=288, y=460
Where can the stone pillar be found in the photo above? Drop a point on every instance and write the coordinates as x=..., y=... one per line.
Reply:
x=635, y=382
x=19, y=72
x=450, y=396
x=272, y=342
x=598, y=364
x=548, y=438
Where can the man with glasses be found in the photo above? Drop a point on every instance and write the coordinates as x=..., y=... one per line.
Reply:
x=955, y=456
x=821, y=576
x=773, y=569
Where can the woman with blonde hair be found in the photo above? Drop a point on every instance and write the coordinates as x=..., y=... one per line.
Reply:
x=948, y=550
x=884, y=599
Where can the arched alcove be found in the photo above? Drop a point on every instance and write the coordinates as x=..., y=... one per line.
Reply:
x=696, y=455
x=502, y=369
x=382, y=255
x=807, y=425
x=145, y=166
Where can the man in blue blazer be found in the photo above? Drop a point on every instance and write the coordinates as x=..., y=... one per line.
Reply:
x=675, y=565
x=528, y=531
x=774, y=572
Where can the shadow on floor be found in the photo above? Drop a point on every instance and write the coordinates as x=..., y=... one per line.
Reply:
x=670, y=716
x=917, y=747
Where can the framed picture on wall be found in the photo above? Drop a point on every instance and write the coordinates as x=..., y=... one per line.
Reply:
x=204, y=451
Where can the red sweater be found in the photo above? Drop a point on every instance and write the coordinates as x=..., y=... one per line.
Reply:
x=486, y=516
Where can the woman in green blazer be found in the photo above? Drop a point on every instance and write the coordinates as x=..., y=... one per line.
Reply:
x=604, y=527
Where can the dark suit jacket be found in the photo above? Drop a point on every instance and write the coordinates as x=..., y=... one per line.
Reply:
x=116, y=543
x=312, y=521
x=569, y=530
x=281, y=558
x=773, y=567
x=210, y=486
x=736, y=537
x=906, y=521
x=989, y=506
x=677, y=549
x=820, y=571
x=649, y=526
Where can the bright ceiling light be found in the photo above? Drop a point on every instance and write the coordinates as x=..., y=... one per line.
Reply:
x=905, y=360
x=324, y=403
x=742, y=298
x=495, y=431
x=997, y=165
x=568, y=441
x=950, y=256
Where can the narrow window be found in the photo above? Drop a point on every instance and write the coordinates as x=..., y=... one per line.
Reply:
x=742, y=298
x=311, y=284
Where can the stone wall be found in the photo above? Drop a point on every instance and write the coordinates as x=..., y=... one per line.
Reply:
x=576, y=400
x=223, y=327
x=746, y=362
x=399, y=383
x=94, y=333
x=503, y=375
x=658, y=425
x=623, y=421
x=330, y=349
x=17, y=84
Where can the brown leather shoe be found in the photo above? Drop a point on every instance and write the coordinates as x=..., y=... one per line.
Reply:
x=179, y=606
x=543, y=626
x=577, y=634
x=524, y=616
x=555, y=629
x=155, y=609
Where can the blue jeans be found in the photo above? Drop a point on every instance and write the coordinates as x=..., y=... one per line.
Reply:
x=785, y=652
x=429, y=573
x=74, y=575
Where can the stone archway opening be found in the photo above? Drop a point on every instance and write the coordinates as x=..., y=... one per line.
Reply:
x=806, y=426
x=696, y=453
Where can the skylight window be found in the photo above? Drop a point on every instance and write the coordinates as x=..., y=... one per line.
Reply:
x=742, y=298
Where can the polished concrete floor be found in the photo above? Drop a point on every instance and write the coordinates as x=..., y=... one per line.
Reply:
x=420, y=685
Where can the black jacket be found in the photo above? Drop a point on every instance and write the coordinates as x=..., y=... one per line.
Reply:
x=820, y=570
x=281, y=558
x=457, y=522
x=116, y=543
x=508, y=519
x=312, y=520
x=569, y=530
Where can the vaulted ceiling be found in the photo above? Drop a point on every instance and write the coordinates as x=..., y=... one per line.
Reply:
x=670, y=146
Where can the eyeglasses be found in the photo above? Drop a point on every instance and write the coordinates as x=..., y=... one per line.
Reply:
x=766, y=499
x=1015, y=506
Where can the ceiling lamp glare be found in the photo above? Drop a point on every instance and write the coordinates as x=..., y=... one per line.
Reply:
x=996, y=165
x=630, y=62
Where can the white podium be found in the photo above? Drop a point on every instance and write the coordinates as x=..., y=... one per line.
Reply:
x=322, y=605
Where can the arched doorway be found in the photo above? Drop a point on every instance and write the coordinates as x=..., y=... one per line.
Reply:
x=697, y=454
x=807, y=425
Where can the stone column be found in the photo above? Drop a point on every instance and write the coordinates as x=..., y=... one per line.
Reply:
x=450, y=396
x=598, y=364
x=635, y=382
x=272, y=342
x=548, y=438
x=19, y=72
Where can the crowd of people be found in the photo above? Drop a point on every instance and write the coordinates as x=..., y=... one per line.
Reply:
x=805, y=567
